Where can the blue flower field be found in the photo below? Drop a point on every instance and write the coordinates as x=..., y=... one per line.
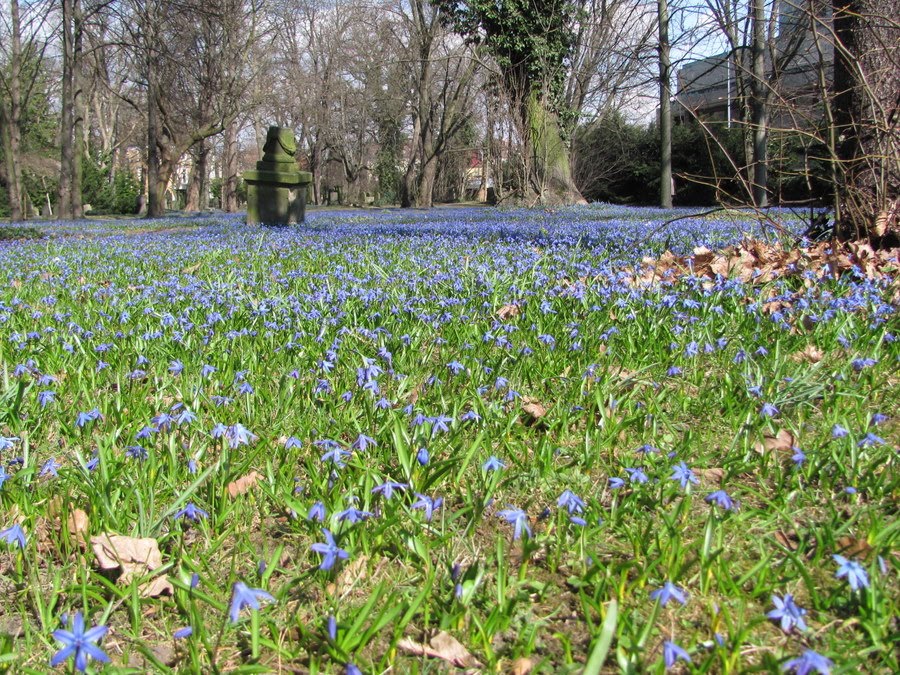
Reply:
x=458, y=440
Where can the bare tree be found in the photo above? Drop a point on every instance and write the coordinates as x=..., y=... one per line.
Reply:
x=443, y=69
x=72, y=111
x=665, y=110
x=867, y=104
x=193, y=63
x=22, y=52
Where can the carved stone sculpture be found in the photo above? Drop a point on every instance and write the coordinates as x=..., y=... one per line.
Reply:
x=276, y=190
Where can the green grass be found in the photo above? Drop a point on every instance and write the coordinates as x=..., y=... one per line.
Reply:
x=267, y=309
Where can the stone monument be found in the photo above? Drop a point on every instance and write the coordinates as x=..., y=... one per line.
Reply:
x=276, y=191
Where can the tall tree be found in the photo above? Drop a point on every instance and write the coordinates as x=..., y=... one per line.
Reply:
x=25, y=115
x=665, y=109
x=442, y=91
x=759, y=110
x=72, y=108
x=11, y=115
x=530, y=40
x=195, y=65
x=867, y=116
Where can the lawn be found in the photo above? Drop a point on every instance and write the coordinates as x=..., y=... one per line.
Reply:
x=465, y=439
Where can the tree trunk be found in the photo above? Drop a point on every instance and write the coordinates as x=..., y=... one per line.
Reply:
x=78, y=109
x=867, y=117
x=67, y=117
x=758, y=107
x=197, y=191
x=230, y=169
x=550, y=170
x=425, y=191
x=665, y=110
x=12, y=118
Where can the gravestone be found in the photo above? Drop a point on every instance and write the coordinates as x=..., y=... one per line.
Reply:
x=276, y=191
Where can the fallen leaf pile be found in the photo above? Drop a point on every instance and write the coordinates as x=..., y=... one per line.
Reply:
x=754, y=261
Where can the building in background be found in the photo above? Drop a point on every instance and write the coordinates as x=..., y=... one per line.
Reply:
x=712, y=89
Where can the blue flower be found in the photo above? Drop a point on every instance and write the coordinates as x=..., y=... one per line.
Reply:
x=422, y=456
x=387, y=489
x=191, y=512
x=13, y=535
x=808, y=662
x=238, y=434
x=854, y=572
x=615, y=483
x=571, y=502
x=244, y=596
x=870, y=439
x=439, y=424
x=428, y=504
x=353, y=514
x=683, y=475
x=672, y=652
x=316, y=512
x=363, y=442
x=636, y=475
x=49, y=468
x=860, y=364
x=183, y=633
x=493, y=464
x=721, y=499
x=669, y=592
x=788, y=613
x=768, y=410
x=329, y=551
x=336, y=456
x=79, y=643
x=518, y=518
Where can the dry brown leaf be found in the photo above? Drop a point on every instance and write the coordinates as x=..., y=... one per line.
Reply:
x=243, y=484
x=79, y=526
x=441, y=646
x=192, y=268
x=508, y=312
x=783, y=441
x=134, y=557
x=810, y=354
x=522, y=666
x=854, y=548
x=714, y=475
x=533, y=408
x=789, y=540
x=350, y=576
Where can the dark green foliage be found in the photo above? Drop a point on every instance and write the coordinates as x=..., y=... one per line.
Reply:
x=16, y=233
x=116, y=196
x=387, y=165
x=619, y=162
x=529, y=40
x=39, y=126
x=800, y=168
x=215, y=191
